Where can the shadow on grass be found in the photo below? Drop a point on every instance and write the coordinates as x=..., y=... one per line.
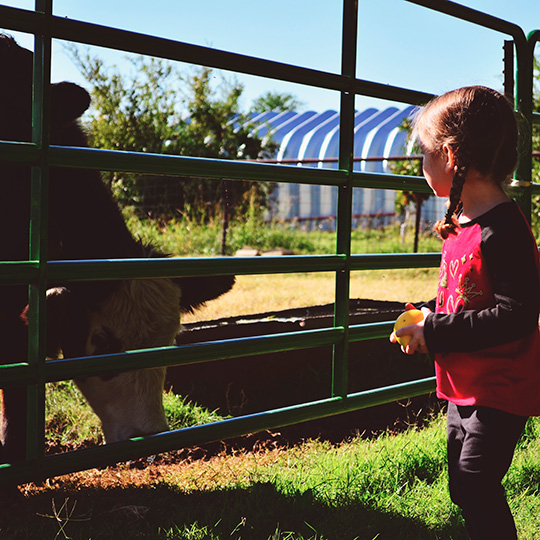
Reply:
x=255, y=513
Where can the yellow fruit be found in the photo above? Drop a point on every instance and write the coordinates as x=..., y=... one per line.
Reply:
x=412, y=316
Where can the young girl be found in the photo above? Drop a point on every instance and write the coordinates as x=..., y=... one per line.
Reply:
x=482, y=328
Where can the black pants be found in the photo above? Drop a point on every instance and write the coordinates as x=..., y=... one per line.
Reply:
x=481, y=443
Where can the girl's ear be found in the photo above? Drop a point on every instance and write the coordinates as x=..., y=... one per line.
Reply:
x=449, y=158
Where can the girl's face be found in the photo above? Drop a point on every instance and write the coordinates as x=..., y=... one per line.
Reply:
x=438, y=168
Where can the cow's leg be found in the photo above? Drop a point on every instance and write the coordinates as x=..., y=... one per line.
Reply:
x=14, y=333
x=13, y=429
x=14, y=406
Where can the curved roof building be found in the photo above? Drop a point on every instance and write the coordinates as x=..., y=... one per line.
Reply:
x=311, y=140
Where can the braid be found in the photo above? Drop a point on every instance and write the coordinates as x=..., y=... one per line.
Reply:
x=449, y=224
x=479, y=125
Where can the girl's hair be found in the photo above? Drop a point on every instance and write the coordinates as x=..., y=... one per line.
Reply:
x=479, y=125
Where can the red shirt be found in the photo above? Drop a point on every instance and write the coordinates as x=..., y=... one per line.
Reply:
x=484, y=332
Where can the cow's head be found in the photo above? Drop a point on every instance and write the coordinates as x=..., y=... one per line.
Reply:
x=128, y=404
x=68, y=101
x=139, y=314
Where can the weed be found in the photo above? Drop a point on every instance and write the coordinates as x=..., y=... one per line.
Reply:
x=184, y=237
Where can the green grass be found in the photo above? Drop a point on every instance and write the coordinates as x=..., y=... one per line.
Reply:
x=393, y=486
x=183, y=413
x=186, y=238
x=70, y=420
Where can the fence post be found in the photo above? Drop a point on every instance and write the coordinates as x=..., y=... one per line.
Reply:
x=521, y=186
x=345, y=195
x=38, y=241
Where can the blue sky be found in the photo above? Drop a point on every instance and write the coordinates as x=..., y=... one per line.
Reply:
x=399, y=43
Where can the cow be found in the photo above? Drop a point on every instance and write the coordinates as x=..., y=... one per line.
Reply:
x=83, y=318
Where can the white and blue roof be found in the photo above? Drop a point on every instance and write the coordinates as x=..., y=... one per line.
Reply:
x=314, y=136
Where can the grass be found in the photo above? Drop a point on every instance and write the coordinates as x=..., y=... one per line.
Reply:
x=253, y=294
x=70, y=422
x=392, y=486
x=182, y=237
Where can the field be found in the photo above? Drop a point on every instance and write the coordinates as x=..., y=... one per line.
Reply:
x=387, y=486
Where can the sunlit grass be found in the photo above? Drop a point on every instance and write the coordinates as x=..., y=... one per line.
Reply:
x=275, y=292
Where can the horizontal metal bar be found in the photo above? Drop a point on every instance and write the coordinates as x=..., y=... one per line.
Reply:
x=391, y=93
x=113, y=160
x=473, y=16
x=85, y=270
x=395, y=260
x=104, y=36
x=13, y=374
x=134, y=42
x=536, y=118
x=363, y=332
x=14, y=272
x=235, y=427
x=73, y=368
x=57, y=370
x=19, y=152
x=100, y=270
x=390, y=181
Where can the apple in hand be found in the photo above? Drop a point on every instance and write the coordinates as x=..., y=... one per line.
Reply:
x=411, y=316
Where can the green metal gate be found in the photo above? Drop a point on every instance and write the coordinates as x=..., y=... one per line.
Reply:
x=37, y=271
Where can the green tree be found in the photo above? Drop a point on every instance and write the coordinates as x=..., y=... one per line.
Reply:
x=405, y=198
x=156, y=109
x=276, y=101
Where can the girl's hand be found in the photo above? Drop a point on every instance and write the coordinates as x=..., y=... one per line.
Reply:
x=416, y=331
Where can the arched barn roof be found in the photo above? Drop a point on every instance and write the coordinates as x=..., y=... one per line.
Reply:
x=311, y=139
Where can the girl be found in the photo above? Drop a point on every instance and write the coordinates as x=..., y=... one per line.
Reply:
x=482, y=328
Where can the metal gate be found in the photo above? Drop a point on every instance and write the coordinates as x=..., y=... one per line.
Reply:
x=37, y=271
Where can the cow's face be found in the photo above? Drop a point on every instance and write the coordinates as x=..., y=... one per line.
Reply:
x=129, y=404
x=140, y=314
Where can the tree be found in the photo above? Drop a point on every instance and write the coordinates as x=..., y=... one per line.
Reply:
x=275, y=101
x=156, y=109
x=405, y=198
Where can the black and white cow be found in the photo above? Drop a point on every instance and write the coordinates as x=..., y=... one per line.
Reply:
x=84, y=318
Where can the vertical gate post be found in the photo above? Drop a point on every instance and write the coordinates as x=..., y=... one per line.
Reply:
x=345, y=195
x=521, y=187
x=38, y=241
x=508, y=72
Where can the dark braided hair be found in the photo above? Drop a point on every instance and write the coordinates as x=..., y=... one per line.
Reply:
x=450, y=222
x=479, y=125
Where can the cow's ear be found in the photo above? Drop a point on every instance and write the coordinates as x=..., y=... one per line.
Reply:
x=68, y=102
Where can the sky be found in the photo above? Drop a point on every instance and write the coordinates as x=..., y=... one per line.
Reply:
x=399, y=43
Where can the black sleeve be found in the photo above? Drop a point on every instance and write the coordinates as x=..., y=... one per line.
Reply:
x=431, y=305
x=509, y=253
